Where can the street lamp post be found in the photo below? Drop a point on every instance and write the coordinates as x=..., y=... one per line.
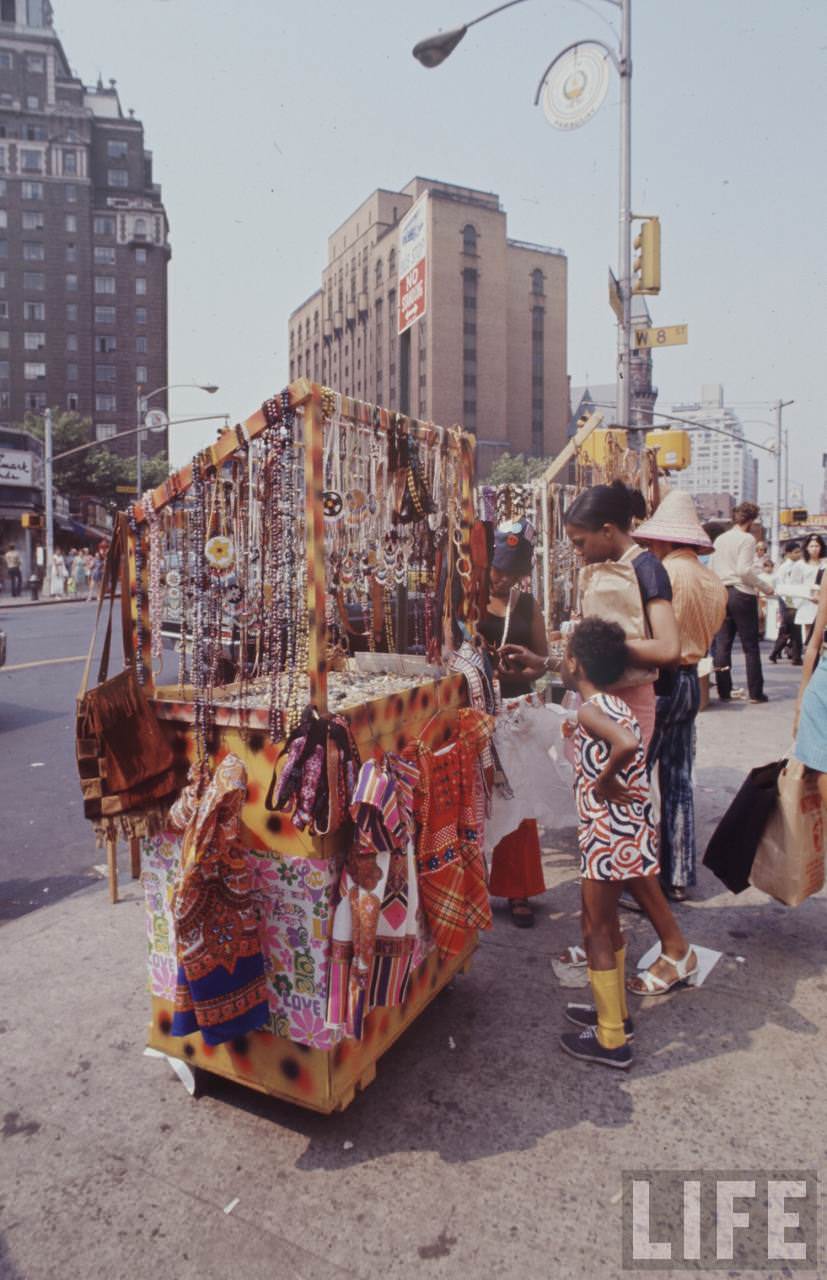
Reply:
x=141, y=406
x=435, y=49
x=50, y=505
x=780, y=406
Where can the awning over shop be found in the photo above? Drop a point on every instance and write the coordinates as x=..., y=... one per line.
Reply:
x=86, y=531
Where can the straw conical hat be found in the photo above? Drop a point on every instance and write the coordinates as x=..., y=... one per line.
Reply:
x=675, y=520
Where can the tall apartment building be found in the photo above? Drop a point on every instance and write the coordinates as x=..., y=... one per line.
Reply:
x=491, y=351
x=721, y=460
x=83, y=239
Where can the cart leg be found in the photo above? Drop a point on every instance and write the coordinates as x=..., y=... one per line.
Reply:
x=112, y=867
x=135, y=857
x=367, y=1077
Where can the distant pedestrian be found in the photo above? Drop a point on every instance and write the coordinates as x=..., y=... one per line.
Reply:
x=789, y=636
x=734, y=561
x=13, y=565
x=675, y=535
x=57, y=575
x=80, y=574
x=95, y=576
x=811, y=711
x=808, y=581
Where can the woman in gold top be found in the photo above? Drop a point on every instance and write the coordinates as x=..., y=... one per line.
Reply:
x=675, y=535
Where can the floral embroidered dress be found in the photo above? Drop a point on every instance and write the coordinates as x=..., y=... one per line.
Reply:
x=449, y=810
x=377, y=923
x=617, y=841
x=220, y=988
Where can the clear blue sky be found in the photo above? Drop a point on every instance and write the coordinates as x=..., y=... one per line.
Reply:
x=271, y=120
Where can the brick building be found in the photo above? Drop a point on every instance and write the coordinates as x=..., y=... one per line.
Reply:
x=491, y=350
x=83, y=239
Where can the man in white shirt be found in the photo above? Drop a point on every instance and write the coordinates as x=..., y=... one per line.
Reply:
x=735, y=563
x=788, y=632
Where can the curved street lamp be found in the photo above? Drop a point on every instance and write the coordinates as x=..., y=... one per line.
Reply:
x=435, y=49
x=143, y=400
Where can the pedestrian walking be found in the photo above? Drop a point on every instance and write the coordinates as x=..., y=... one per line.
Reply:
x=805, y=588
x=787, y=574
x=734, y=561
x=13, y=567
x=57, y=575
x=811, y=709
x=616, y=833
x=675, y=535
x=95, y=575
x=516, y=863
x=80, y=574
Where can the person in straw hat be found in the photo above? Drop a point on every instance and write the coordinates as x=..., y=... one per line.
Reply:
x=675, y=535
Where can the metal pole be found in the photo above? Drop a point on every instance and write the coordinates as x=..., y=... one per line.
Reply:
x=624, y=366
x=778, y=445
x=787, y=467
x=50, y=503
x=139, y=421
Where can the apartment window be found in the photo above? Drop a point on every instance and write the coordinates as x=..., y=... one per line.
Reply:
x=70, y=223
x=379, y=269
x=31, y=190
x=140, y=284
x=36, y=133
x=4, y=310
x=34, y=62
x=104, y=255
x=32, y=220
x=71, y=282
x=72, y=401
x=141, y=374
x=106, y=342
x=4, y=370
x=538, y=283
x=71, y=342
x=104, y=373
x=469, y=344
x=3, y=190
x=3, y=165
x=71, y=253
x=139, y=230
x=116, y=148
x=140, y=344
x=392, y=264
x=104, y=284
x=34, y=310
x=70, y=164
x=469, y=239
x=106, y=403
x=537, y=377
x=33, y=369
x=35, y=401
x=72, y=312
x=33, y=341
x=5, y=399
x=34, y=280
x=32, y=102
x=104, y=315
x=104, y=226
x=117, y=177
x=6, y=55
x=4, y=248
x=31, y=161
x=4, y=279
x=34, y=251
x=105, y=430
x=71, y=373
x=70, y=193
x=140, y=257
x=140, y=315
x=4, y=339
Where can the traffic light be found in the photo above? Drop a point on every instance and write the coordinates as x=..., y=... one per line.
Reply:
x=646, y=265
x=799, y=515
x=29, y=520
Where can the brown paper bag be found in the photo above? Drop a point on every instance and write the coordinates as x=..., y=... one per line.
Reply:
x=789, y=864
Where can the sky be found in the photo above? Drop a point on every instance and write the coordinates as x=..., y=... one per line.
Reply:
x=271, y=120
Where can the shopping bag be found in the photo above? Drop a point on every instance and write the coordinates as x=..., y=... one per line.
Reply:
x=789, y=862
x=732, y=848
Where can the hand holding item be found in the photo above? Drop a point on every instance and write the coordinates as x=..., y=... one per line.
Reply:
x=517, y=660
x=610, y=788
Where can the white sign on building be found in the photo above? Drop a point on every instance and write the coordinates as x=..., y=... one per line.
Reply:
x=413, y=264
x=18, y=467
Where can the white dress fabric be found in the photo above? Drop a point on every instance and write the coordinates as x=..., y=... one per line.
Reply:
x=803, y=583
x=539, y=779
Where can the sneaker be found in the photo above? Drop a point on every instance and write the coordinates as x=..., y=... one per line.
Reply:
x=584, y=1015
x=588, y=1048
x=763, y=698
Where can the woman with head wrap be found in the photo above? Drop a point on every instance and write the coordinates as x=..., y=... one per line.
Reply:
x=513, y=616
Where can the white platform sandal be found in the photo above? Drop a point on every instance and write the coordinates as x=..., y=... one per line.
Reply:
x=652, y=985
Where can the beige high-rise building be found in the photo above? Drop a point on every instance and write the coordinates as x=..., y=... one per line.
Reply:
x=490, y=351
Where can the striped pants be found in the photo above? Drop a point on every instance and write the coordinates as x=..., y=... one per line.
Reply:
x=672, y=751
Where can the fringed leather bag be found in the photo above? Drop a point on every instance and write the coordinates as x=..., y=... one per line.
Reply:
x=124, y=761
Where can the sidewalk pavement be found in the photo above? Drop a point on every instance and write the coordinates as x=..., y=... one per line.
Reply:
x=479, y=1150
x=23, y=602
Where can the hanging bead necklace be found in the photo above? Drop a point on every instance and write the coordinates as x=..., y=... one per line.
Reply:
x=135, y=530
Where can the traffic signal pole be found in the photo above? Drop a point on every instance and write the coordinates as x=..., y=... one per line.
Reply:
x=624, y=330
x=48, y=463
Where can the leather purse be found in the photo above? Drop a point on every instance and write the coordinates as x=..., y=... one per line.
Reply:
x=124, y=761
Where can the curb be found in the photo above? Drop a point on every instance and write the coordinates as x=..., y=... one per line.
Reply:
x=32, y=604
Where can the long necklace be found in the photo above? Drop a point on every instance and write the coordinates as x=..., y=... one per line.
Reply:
x=137, y=542
x=156, y=638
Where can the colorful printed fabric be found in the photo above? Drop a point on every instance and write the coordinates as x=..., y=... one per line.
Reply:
x=617, y=841
x=377, y=923
x=672, y=753
x=220, y=988
x=449, y=810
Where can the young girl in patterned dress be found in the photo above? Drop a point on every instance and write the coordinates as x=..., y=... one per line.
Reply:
x=616, y=833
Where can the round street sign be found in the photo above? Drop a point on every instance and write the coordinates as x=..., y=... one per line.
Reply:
x=156, y=420
x=575, y=86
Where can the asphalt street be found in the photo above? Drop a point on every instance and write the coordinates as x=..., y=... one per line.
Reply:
x=47, y=849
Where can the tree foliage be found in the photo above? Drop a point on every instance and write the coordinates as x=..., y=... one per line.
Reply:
x=97, y=471
x=517, y=469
